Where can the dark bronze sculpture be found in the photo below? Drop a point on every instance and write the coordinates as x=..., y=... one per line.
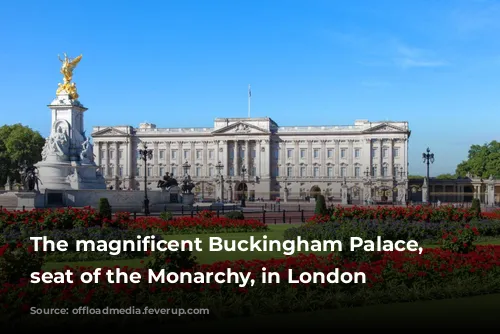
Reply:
x=29, y=177
x=187, y=185
x=167, y=182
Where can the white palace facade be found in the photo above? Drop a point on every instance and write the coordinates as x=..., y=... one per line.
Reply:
x=260, y=158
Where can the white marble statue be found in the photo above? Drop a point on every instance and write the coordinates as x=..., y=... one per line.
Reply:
x=59, y=142
x=87, y=154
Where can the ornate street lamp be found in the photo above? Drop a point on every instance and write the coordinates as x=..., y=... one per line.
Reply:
x=401, y=172
x=219, y=168
x=186, y=167
x=367, y=172
x=146, y=154
x=243, y=171
x=428, y=158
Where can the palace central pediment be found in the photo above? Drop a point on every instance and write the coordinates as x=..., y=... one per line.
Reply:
x=240, y=128
x=385, y=128
x=110, y=131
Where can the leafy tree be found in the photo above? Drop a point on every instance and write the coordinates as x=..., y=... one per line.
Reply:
x=320, y=208
x=18, y=143
x=415, y=177
x=446, y=177
x=482, y=161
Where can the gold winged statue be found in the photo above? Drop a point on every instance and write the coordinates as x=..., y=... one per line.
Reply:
x=68, y=65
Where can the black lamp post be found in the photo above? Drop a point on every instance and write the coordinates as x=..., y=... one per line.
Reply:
x=401, y=173
x=243, y=171
x=146, y=155
x=367, y=172
x=219, y=168
x=428, y=158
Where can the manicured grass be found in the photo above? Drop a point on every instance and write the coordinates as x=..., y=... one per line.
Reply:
x=275, y=232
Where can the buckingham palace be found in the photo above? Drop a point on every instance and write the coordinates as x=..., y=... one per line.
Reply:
x=258, y=159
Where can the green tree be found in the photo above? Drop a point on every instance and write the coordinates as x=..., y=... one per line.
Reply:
x=482, y=161
x=415, y=177
x=446, y=177
x=18, y=143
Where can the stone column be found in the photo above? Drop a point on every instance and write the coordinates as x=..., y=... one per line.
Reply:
x=225, y=157
x=217, y=149
x=490, y=186
x=117, y=158
x=132, y=161
x=236, y=165
x=126, y=159
x=337, y=158
x=283, y=159
x=297, y=158
x=309, y=158
x=258, y=153
x=97, y=149
x=180, y=156
x=156, y=170
x=247, y=156
x=267, y=158
x=108, y=163
x=205, y=159
x=322, y=155
x=381, y=158
x=193, y=158
x=350, y=160
x=168, y=155
x=391, y=158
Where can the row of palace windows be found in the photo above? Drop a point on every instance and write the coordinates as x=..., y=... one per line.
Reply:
x=290, y=153
x=331, y=152
x=252, y=171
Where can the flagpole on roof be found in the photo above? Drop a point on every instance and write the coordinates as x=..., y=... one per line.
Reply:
x=249, y=98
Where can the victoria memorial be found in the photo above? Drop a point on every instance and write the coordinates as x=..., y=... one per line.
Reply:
x=258, y=158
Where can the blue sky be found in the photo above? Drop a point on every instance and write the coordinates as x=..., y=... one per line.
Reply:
x=180, y=63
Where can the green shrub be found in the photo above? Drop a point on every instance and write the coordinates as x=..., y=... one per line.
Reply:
x=104, y=208
x=166, y=215
x=461, y=241
x=320, y=206
x=235, y=215
x=476, y=207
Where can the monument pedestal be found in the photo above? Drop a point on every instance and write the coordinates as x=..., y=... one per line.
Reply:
x=29, y=200
x=425, y=191
x=67, y=157
x=187, y=199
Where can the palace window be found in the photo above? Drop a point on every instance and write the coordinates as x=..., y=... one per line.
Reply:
x=120, y=171
x=385, y=152
x=357, y=171
x=173, y=171
x=302, y=153
x=174, y=154
x=211, y=171
x=343, y=152
x=396, y=152
x=198, y=154
x=162, y=171
x=231, y=154
x=374, y=171
x=289, y=153
x=120, y=154
x=276, y=171
x=329, y=171
x=161, y=154
x=138, y=171
x=374, y=152
x=316, y=171
x=289, y=171
x=103, y=154
x=330, y=153
x=111, y=154
x=231, y=171
x=198, y=171
x=254, y=152
x=186, y=154
x=242, y=153
x=357, y=153
x=253, y=171
x=303, y=172
x=343, y=171
x=210, y=154
x=150, y=171
x=385, y=171
x=316, y=153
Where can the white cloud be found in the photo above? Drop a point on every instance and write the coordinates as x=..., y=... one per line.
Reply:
x=411, y=57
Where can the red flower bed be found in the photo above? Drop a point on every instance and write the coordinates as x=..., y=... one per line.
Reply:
x=491, y=215
x=418, y=213
x=395, y=276
x=67, y=218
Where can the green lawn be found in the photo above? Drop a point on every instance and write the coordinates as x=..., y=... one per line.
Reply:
x=275, y=232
